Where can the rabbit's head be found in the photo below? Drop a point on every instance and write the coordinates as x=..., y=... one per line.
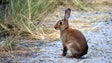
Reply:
x=63, y=24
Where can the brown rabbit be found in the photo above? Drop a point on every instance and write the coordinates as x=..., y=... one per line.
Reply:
x=72, y=39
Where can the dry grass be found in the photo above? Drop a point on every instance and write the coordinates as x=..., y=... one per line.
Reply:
x=23, y=14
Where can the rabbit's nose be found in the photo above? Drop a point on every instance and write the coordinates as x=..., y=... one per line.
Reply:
x=55, y=27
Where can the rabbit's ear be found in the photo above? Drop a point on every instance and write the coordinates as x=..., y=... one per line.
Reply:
x=67, y=14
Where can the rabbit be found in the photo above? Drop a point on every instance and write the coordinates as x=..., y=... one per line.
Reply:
x=72, y=39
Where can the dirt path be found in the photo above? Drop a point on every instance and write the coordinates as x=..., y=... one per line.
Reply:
x=97, y=28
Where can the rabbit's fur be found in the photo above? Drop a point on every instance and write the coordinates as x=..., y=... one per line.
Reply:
x=72, y=39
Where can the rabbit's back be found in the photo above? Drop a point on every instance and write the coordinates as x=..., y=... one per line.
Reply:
x=76, y=38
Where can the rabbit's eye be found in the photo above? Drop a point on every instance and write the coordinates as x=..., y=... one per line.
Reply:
x=61, y=23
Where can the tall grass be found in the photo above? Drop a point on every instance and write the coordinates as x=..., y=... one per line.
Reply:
x=25, y=12
x=22, y=14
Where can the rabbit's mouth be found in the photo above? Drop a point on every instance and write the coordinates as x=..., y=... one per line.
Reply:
x=61, y=29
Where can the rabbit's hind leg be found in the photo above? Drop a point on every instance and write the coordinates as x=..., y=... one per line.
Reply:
x=75, y=53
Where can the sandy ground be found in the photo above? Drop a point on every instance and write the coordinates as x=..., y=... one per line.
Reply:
x=96, y=27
